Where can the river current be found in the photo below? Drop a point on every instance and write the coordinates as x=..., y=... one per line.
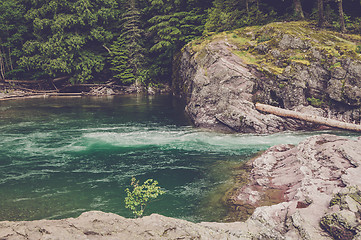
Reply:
x=60, y=157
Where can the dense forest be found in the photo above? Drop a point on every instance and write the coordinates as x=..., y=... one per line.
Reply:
x=133, y=41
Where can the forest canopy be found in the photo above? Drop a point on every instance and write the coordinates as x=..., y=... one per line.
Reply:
x=134, y=41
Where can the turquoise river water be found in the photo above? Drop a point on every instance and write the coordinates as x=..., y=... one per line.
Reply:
x=60, y=157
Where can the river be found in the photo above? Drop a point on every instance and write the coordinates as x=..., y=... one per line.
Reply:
x=60, y=157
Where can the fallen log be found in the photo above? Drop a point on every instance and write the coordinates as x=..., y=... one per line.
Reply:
x=307, y=117
x=35, y=91
x=40, y=95
x=60, y=79
x=23, y=81
x=94, y=85
x=36, y=81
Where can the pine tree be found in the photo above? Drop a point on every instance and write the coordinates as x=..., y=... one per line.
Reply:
x=321, y=14
x=172, y=25
x=341, y=16
x=128, y=52
x=68, y=37
x=298, y=9
x=119, y=58
x=12, y=32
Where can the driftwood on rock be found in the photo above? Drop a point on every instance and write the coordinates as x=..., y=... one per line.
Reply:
x=307, y=117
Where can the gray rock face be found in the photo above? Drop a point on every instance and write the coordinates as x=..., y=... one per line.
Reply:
x=220, y=88
x=289, y=41
x=345, y=83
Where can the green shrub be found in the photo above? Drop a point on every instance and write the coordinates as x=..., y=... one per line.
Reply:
x=315, y=101
x=137, y=199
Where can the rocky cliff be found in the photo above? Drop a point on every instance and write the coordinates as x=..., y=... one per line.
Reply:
x=290, y=65
x=318, y=196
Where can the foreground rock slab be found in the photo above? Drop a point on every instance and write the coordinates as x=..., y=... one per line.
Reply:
x=100, y=225
x=319, y=197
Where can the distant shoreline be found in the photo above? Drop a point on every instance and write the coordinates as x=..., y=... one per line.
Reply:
x=14, y=93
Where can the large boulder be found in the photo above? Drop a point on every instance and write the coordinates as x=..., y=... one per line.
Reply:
x=289, y=65
x=219, y=89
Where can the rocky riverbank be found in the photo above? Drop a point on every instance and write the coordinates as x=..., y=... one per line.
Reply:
x=316, y=184
x=318, y=196
x=290, y=65
x=15, y=89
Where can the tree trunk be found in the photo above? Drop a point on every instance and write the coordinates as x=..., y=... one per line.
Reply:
x=298, y=9
x=306, y=117
x=321, y=14
x=4, y=59
x=257, y=13
x=10, y=60
x=2, y=68
x=247, y=7
x=341, y=17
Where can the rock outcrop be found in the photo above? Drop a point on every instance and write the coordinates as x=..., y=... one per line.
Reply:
x=289, y=65
x=318, y=188
x=318, y=179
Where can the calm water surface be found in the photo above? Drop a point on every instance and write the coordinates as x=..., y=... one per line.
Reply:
x=60, y=157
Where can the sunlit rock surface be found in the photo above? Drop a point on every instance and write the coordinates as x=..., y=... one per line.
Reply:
x=319, y=177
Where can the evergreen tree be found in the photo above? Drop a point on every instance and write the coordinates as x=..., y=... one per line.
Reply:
x=12, y=32
x=298, y=9
x=85, y=39
x=231, y=14
x=119, y=57
x=174, y=24
x=321, y=14
x=127, y=52
x=69, y=37
x=341, y=16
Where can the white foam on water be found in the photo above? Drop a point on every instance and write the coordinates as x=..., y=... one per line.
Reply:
x=186, y=139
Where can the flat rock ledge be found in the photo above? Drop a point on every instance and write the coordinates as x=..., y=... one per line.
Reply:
x=320, y=182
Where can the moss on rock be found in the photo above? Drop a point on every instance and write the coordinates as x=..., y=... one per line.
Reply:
x=295, y=38
x=344, y=224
